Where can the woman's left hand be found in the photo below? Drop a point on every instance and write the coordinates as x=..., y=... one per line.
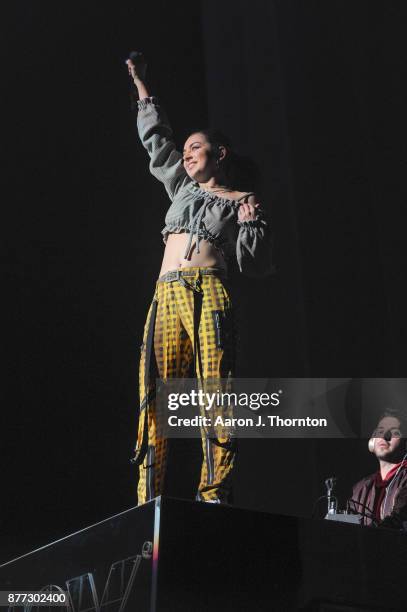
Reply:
x=247, y=212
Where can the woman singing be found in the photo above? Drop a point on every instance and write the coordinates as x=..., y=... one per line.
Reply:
x=189, y=322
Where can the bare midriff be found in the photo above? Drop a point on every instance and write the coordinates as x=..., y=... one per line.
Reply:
x=209, y=256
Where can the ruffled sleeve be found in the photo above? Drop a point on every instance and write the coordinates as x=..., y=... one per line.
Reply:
x=253, y=247
x=156, y=136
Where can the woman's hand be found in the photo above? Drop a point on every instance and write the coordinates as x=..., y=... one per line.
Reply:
x=137, y=68
x=247, y=212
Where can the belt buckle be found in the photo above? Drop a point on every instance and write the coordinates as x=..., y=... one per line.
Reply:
x=172, y=276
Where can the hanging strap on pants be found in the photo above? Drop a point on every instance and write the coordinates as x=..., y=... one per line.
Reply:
x=149, y=394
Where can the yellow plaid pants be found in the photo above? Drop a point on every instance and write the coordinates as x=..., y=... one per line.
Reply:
x=185, y=341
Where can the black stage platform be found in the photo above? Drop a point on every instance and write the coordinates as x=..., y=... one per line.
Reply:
x=174, y=555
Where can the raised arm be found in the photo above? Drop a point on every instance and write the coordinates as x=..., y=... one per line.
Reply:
x=156, y=135
x=253, y=245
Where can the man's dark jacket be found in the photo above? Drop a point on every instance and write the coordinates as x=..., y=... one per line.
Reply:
x=364, y=496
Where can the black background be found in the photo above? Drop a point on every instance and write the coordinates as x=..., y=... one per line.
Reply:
x=315, y=92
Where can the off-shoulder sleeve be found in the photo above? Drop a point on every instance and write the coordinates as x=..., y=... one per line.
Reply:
x=253, y=247
x=156, y=136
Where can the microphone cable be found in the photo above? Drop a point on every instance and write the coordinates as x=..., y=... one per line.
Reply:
x=367, y=512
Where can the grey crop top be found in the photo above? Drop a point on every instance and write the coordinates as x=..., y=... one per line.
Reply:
x=200, y=213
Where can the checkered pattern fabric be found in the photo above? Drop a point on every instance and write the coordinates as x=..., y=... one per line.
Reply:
x=175, y=357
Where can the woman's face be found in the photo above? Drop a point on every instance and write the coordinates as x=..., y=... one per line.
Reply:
x=199, y=158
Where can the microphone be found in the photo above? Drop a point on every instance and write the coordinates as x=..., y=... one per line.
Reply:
x=137, y=58
x=332, y=500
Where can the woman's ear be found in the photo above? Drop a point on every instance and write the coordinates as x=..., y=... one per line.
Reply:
x=222, y=152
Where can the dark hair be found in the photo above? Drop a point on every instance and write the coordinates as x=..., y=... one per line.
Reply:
x=241, y=172
x=400, y=415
